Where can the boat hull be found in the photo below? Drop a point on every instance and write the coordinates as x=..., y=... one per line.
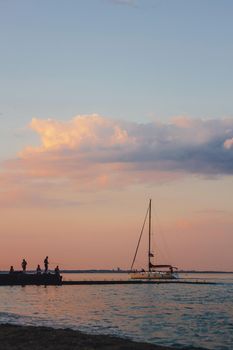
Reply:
x=153, y=275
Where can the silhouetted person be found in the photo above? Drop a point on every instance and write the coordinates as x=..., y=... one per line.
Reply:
x=46, y=264
x=38, y=269
x=24, y=265
x=57, y=271
x=12, y=269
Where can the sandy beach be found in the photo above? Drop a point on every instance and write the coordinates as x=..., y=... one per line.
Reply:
x=37, y=338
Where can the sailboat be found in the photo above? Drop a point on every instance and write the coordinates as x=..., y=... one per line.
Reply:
x=153, y=271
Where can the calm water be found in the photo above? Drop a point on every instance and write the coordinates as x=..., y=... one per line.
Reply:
x=173, y=314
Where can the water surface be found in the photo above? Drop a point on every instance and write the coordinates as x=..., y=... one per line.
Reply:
x=172, y=314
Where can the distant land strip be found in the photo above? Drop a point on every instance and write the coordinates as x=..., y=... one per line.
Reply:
x=128, y=271
x=124, y=271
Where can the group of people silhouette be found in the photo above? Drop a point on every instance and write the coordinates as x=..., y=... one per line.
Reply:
x=38, y=269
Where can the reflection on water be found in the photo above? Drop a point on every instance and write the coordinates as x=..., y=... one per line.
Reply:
x=174, y=314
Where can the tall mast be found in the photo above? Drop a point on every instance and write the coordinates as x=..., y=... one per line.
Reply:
x=149, y=250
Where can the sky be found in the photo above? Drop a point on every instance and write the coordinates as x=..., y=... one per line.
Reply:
x=105, y=104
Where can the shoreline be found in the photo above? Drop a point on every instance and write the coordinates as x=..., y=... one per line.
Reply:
x=15, y=337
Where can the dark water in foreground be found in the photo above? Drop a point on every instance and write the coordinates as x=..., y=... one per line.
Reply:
x=172, y=314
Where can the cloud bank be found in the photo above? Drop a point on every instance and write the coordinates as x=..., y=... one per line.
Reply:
x=91, y=152
x=186, y=145
x=124, y=2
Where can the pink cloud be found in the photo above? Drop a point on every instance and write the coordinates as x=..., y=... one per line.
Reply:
x=228, y=144
x=182, y=121
x=90, y=153
x=80, y=132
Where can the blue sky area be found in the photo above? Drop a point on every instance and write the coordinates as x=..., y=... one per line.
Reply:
x=131, y=60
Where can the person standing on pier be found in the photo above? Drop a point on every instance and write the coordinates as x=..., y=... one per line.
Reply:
x=24, y=265
x=57, y=271
x=38, y=270
x=46, y=264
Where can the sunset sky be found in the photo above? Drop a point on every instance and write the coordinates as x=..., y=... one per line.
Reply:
x=104, y=105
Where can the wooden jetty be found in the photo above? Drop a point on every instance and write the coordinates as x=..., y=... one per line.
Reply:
x=127, y=282
x=19, y=278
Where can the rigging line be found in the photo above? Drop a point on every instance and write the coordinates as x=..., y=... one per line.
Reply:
x=139, y=239
x=167, y=252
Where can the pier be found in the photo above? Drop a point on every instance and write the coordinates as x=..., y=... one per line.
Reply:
x=121, y=282
x=19, y=278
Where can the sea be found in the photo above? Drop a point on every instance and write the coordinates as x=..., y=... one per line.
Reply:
x=179, y=315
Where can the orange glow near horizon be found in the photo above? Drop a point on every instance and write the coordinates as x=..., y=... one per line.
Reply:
x=103, y=233
x=80, y=198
